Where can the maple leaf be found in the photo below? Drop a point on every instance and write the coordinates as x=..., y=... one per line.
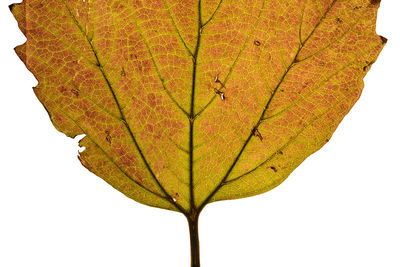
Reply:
x=183, y=103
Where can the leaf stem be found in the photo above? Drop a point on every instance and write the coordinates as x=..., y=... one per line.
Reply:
x=193, y=221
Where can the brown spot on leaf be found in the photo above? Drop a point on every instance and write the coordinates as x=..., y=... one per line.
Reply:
x=220, y=93
x=108, y=137
x=176, y=197
x=366, y=67
x=274, y=168
x=375, y=2
x=217, y=80
x=339, y=20
x=257, y=133
x=123, y=73
x=383, y=39
x=257, y=43
x=75, y=92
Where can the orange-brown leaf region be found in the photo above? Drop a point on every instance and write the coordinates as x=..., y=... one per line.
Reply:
x=183, y=103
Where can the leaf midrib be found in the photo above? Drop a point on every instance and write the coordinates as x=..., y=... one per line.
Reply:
x=192, y=116
x=193, y=207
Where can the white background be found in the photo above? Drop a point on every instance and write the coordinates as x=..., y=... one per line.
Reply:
x=341, y=207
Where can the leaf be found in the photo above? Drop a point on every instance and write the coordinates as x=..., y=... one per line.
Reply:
x=183, y=103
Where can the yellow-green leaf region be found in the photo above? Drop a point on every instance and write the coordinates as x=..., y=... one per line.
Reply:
x=183, y=103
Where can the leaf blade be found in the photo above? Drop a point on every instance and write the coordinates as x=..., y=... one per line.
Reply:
x=179, y=112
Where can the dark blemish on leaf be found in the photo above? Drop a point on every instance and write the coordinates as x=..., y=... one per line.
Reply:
x=257, y=43
x=375, y=2
x=327, y=140
x=123, y=73
x=339, y=20
x=365, y=68
x=220, y=93
x=357, y=7
x=11, y=7
x=176, y=197
x=257, y=133
x=75, y=92
x=274, y=168
x=383, y=39
x=108, y=137
x=217, y=80
x=280, y=152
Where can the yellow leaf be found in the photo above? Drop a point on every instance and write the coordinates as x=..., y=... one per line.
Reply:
x=183, y=103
